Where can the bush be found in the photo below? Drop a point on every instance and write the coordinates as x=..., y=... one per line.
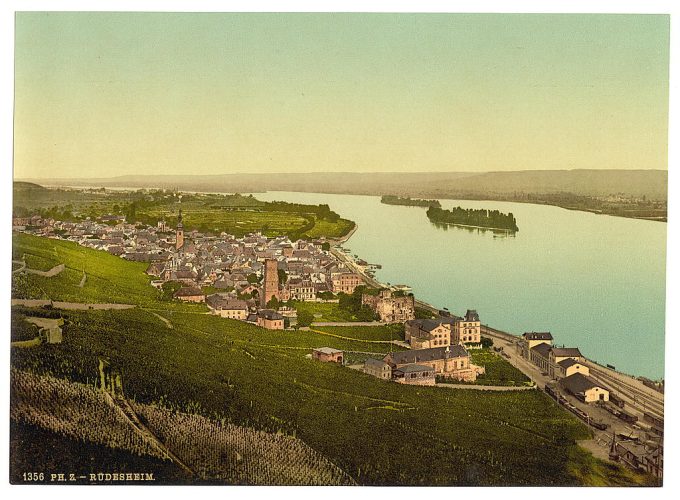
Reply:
x=305, y=318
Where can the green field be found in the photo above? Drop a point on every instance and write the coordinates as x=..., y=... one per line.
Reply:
x=263, y=379
x=498, y=370
x=198, y=215
x=325, y=228
x=323, y=312
x=110, y=279
x=382, y=333
x=234, y=214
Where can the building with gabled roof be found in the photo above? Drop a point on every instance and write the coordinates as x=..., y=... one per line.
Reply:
x=451, y=361
x=378, y=369
x=190, y=294
x=529, y=340
x=569, y=366
x=227, y=307
x=414, y=375
x=269, y=319
x=585, y=388
x=540, y=356
x=327, y=355
x=427, y=333
x=558, y=354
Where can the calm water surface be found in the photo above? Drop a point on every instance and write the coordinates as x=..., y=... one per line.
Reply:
x=594, y=281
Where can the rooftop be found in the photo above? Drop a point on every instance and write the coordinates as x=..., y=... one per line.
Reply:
x=471, y=315
x=415, y=369
x=542, y=349
x=269, y=314
x=327, y=350
x=188, y=291
x=377, y=363
x=420, y=355
x=578, y=383
x=566, y=351
x=566, y=363
x=537, y=336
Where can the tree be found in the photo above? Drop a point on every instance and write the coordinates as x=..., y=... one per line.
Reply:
x=305, y=318
x=325, y=246
x=168, y=289
x=273, y=303
x=283, y=277
x=252, y=278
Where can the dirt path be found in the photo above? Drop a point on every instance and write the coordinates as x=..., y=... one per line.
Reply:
x=349, y=323
x=76, y=306
x=162, y=318
x=47, y=274
x=144, y=431
x=395, y=342
x=474, y=387
x=20, y=262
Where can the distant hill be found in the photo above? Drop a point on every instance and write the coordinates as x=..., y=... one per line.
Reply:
x=28, y=186
x=652, y=184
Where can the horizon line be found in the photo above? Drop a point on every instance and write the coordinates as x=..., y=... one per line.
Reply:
x=344, y=172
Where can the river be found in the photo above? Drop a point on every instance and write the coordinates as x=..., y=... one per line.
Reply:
x=594, y=281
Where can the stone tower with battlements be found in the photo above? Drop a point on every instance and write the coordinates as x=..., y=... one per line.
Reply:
x=271, y=282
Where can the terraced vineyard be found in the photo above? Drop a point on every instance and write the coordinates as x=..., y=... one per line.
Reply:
x=109, y=278
x=76, y=411
x=214, y=450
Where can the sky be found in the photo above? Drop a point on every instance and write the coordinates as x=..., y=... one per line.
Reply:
x=106, y=94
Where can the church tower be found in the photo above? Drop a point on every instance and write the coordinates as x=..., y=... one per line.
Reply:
x=179, y=232
x=271, y=282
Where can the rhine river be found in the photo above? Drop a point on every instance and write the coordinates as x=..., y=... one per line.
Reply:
x=595, y=282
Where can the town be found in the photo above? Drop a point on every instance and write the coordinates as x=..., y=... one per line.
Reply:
x=258, y=280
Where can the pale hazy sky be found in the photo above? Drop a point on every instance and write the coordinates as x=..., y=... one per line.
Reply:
x=103, y=94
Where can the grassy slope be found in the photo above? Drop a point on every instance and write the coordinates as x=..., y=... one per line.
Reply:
x=109, y=278
x=382, y=333
x=327, y=311
x=223, y=367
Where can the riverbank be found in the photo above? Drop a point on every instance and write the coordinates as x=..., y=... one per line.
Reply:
x=625, y=381
x=113, y=186
x=565, y=249
x=342, y=239
x=486, y=228
x=509, y=199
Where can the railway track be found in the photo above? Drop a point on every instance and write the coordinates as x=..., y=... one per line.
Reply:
x=642, y=399
x=634, y=395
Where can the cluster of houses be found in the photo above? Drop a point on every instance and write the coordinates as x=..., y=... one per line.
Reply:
x=565, y=364
x=244, y=274
x=414, y=367
x=438, y=346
